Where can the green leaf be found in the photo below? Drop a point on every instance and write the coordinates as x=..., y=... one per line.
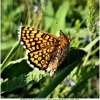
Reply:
x=21, y=81
x=16, y=68
x=19, y=74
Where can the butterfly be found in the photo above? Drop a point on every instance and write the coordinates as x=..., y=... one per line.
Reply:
x=45, y=51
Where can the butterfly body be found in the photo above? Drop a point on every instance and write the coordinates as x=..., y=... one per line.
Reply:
x=45, y=51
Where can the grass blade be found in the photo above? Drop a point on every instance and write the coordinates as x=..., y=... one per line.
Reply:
x=9, y=56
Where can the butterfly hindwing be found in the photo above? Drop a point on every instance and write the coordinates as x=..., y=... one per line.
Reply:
x=43, y=57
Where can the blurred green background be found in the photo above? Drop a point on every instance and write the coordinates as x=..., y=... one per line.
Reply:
x=77, y=18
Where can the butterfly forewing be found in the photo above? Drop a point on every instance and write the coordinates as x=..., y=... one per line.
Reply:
x=36, y=39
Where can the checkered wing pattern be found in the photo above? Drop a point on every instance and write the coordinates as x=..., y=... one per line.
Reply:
x=45, y=50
